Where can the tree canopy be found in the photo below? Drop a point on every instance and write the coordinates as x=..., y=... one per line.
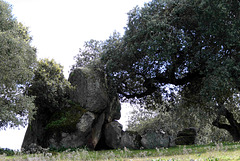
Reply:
x=187, y=47
x=49, y=87
x=17, y=61
x=193, y=45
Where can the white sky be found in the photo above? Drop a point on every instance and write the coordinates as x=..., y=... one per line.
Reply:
x=60, y=27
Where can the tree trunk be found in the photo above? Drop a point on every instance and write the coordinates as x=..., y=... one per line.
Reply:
x=233, y=127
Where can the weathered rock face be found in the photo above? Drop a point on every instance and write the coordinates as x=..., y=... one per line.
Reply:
x=113, y=112
x=186, y=137
x=90, y=89
x=35, y=133
x=96, y=132
x=131, y=140
x=85, y=122
x=79, y=138
x=155, y=139
x=113, y=134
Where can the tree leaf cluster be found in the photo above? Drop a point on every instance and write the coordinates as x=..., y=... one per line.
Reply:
x=49, y=87
x=17, y=60
x=65, y=120
x=90, y=55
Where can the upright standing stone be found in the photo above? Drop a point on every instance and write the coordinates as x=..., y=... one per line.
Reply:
x=96, y=132
x=90, y=89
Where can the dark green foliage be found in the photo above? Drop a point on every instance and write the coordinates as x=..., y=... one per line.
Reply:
x=66, y=119
x=17, y=61
x=193, y=45
x=187, y=47
x=90, y=55
x=49, y=87
x=6, y=151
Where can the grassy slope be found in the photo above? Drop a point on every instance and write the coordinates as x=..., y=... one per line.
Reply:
x=201, y=152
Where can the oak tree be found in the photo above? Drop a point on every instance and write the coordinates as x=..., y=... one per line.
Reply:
x=180, y=46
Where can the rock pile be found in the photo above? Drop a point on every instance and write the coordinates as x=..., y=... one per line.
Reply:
x=100, y=108
x=96, y=128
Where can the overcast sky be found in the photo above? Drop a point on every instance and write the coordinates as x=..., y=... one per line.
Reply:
x=60, y=27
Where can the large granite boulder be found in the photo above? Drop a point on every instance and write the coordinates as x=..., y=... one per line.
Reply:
x=131, y=140
x=152, y=139
x=186, y=136
x=76, y=139
x=113, y=134
x=90, y=89
x=87, y=134
x=85, y=122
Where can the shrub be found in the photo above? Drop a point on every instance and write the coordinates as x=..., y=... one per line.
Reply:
x=6, y=151
x=66, y=119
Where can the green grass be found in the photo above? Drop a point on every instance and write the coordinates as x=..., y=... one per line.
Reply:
x=211, y=152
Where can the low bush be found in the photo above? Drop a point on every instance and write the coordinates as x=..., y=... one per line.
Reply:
x=6, y=151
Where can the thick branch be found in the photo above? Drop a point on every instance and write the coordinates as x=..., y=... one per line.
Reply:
x=147, y=84
x=160, y=78
x=218, y=124
x=233, y=128
x=181, y=81
x=229, y=116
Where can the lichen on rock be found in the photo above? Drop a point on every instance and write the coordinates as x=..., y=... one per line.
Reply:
x=89, y=89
